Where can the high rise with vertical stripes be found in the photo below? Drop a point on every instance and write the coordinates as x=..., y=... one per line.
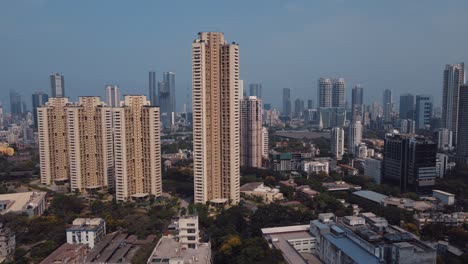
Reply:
x=216, y=118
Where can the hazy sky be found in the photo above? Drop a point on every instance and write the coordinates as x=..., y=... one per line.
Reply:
x=402, y=45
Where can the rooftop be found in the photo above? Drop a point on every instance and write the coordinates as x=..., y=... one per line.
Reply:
x=21, y=201
x=444, y=193
x=66, y=253
x=371, y=195
x=168, y=248
x=251, y=186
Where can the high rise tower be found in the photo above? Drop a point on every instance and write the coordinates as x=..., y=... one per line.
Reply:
x=462, y=145
x=355, y=136
x=153, y=93
x=169, y=80
x=112, y=95
x=216, y=118
x=287, y=105
x=454, y=77
x=325, y=93
x=407, y=106
x=57, y=85
x=337, y=142
x=137, y=149
x=423, y=111
x=338, y=92
x=38, y=99
x=256, y=90
x=251, y=132
x=357, y=103
x=387, y=105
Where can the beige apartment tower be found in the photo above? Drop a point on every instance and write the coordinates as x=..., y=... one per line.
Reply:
x=90, y=145
x=53, y=141
x=216, y=119
x=251, y=132
x=137, y=149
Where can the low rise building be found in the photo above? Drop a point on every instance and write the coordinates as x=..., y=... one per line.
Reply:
x=183, y=248
x=68, y=254
x=305, y=192
x=87, y=231
x=373, y=168
x=258, y=189
x=444, y=197
x=407, y=204
x=340, y=186
x=7, y=243
x=364, y=239
x=296, y=243
x=348, y=170
x=31, y=203
x=315, y=167
x=456, y=219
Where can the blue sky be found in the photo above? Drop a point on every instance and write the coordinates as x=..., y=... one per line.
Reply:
x=402, y=45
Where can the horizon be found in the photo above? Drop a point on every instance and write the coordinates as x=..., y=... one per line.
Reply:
x=396, y=51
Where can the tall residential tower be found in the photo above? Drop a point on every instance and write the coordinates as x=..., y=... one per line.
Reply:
x=216, y=119
x=251, y=132
x=57, y=85
x=454, y=77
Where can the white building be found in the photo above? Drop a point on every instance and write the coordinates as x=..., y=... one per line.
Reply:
x=355, y=136
x=265, y=145
x=444, y=197
x=260, y=190
x=444, y=139
x=361, y=151
x=315, y=167
x=373, y=168
x=86, y=231
x=188, y=231
x=337, y=142
x=31, y=203
x=443, y=165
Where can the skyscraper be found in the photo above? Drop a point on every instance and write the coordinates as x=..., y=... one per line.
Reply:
x=53, y=141
x=423, y=111
x=298, y=107
x=407, y=106
x=251, y=132
x=169, y=80
x=256, y=90
x=112, y=95
x=357, y=103
x=287, y=102
x=355, y=136
x=410, y=163
x=265, y=145
x=1, y=116
x=38, y=99
x=387, y=105
x=153, y=93
x=137, y=149
x=338, y=92
x=444, y=139
x=57, y=85
x=454, y=76
x=15, y=103
x=462, y=145
x=325, y=93
x=337, y=142
x=310, y=104
x=216, y=119
x=90, y=145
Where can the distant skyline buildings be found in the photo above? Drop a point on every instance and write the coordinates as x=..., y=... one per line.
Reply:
x=338, y=92
x=407, y=106
x=423, y=111
x=287, y=104
x=16, y=107
x=38, y=99
x=324, y=92
x=255, y=89
x=462, y=142
x=357, y=102
x=112, y=95
x=153, y=93
x=387, y=104
x=453, y=78
x=57, y=85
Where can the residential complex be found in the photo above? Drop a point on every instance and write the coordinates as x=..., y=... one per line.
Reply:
x=216, y=118
x=251, y=132
x=454, y=77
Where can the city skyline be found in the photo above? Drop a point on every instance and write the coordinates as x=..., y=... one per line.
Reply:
x=171, y=55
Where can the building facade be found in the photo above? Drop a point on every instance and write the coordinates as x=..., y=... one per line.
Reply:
x=251, y=132
x=423, y=111
x=90, y=145
x=355, y=136
x=357, y=103
x=112, y=95
x=338, y=92
x=454, y=77
x=153, y=93
x=53, y=141
x=38, y=99
x=337, y=142
x=255, y=90
x=137, y=149
x=462, y=145
x=87, y=231
x=287, y=105
x=325, y=92
x=407, y=106
x=216, y=118
x=387, y=105
x=57, y=85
